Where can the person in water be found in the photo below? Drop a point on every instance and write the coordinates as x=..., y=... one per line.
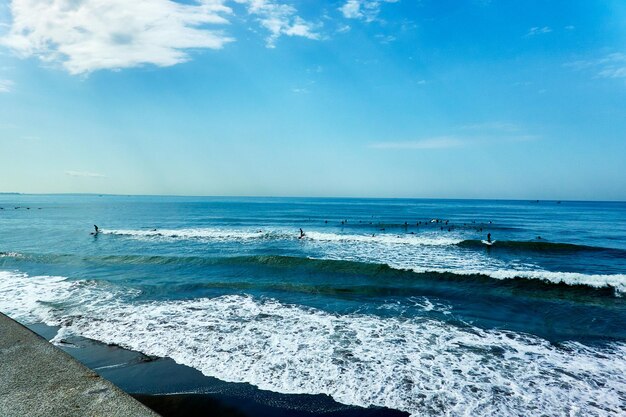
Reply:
x=489, y=237
x=96, y=230
x=301, y=233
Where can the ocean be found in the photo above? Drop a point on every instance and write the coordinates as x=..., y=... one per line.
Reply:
x=381, y=303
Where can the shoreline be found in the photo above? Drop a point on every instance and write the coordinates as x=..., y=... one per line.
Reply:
x=39, y=379
x=176, y=390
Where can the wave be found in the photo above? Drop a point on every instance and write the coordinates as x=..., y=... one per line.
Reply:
x=539, y=246
x=428, y=239
x=420, y=366
x=424, y=225
x=616, y=283
x=11, y=255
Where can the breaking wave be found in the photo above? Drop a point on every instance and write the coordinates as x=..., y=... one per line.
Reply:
x=242, y=235
x=418, y=365
x=614, y=282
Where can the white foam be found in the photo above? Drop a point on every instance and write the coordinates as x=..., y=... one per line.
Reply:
x=446, y=258
x=184, y=234
x=422, y=366
x=11, y=255
x=214, y=234
x=387, y=238
x=615, y=281
x=421, y=252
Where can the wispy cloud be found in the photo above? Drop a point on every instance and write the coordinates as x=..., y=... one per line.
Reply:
x=442, y=142
x=88, y=35
x=280, y=19
x=366, y=10
x=343, y=29
x=6, y=86
x=497, y=126
x=538, y=31
x=385, y=39
x=84, y=174
x=612, y=65
x=476, y=134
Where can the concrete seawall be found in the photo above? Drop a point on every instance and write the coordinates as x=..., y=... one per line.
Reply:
x=38, y=379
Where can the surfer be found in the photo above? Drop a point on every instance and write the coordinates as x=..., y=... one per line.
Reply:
x=96, y=230
x=301, y=233
x=489, y=237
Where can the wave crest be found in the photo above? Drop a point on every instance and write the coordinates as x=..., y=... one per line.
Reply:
x=421, y=366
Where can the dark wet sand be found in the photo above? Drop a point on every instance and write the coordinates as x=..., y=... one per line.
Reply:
x=174, y=390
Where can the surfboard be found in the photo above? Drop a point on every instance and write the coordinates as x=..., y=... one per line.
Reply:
x=488, y=243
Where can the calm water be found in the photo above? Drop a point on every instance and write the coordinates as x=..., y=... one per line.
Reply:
x=418, y=316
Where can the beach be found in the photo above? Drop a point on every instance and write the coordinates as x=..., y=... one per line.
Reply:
x=378, y=307
x=39, y=379
x=172, y=389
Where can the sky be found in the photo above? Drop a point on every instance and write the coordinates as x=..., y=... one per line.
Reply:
x=346, y=98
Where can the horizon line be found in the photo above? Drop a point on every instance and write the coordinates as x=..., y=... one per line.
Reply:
x=318, y=197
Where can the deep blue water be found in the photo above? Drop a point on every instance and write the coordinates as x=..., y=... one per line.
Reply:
x=394, y=303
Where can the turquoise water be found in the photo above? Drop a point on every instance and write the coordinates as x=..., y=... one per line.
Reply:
x=393, y=303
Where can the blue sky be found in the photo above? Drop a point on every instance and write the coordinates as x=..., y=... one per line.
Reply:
x=430, y=98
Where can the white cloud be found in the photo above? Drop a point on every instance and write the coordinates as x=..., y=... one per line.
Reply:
x=280, y=19
x=352, y=9
x=366, y=10
x=538, y=30
x=84, y=174
x=88, y=35
x=6, y=86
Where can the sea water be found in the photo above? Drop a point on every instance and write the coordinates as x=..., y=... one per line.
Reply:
x=392, y=303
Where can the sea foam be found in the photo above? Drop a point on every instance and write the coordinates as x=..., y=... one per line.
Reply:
x=615, y=281
x=418, y=365
x=216, y=234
